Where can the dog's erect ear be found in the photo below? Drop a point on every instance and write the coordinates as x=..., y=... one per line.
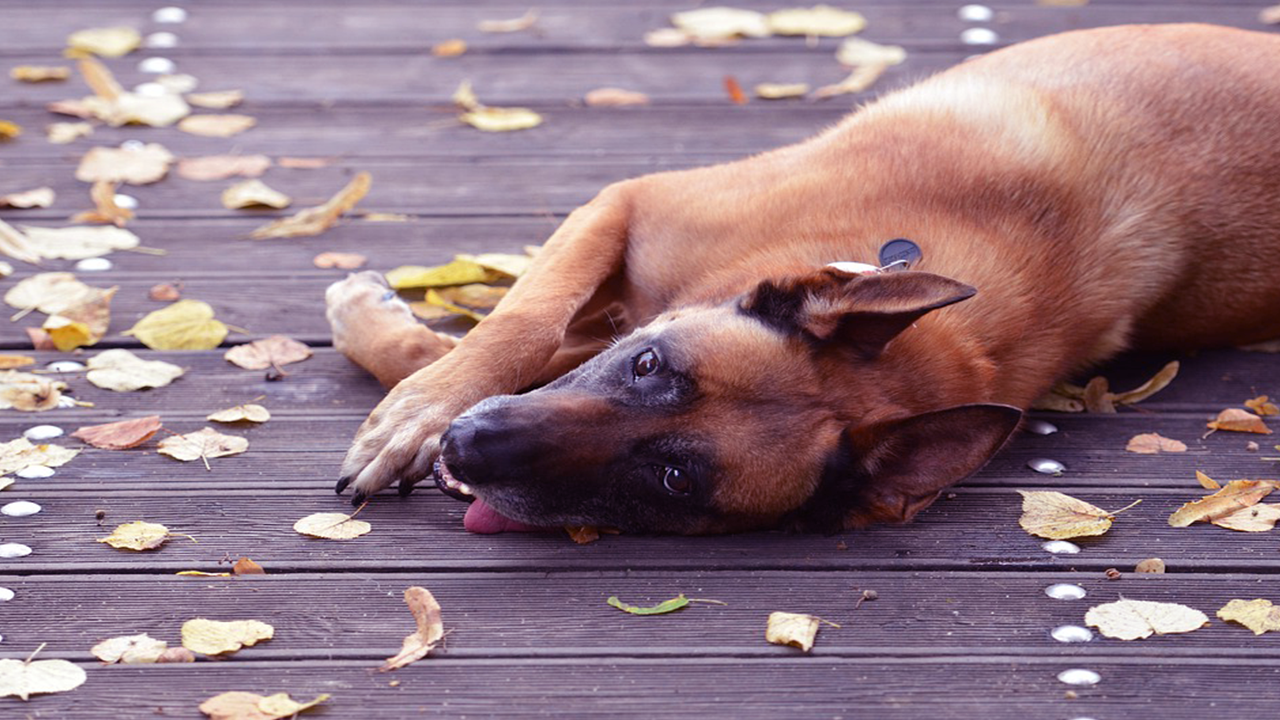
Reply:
x=889, y=471
x=862, y=311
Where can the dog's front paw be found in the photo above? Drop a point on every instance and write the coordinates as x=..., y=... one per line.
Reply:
x=398, y=443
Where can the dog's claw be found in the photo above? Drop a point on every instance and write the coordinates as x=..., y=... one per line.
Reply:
x=358, y=498
x=343, y=482
x=406, y=487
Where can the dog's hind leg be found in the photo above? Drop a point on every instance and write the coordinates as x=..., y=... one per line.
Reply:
x=374, y=329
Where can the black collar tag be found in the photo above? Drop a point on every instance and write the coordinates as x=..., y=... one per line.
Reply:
x=899, y=254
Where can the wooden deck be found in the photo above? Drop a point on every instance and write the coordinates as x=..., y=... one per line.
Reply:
x=962, y=625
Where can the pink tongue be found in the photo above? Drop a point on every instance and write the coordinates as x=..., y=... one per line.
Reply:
x=482, y=519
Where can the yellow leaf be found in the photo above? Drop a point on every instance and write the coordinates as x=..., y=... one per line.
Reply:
x=315, y=220
x=220, y=100
x=1237, y=420
x=39, y=73
x=202, y=573
x=818, y=21
x=62, y=133
x=79, y=242
x=137, y=535
x=184, y=325
x=1256, y=518
x=82, y=325
x=524, y=22
x=614, y=97
x=9, y=130
x=201, y=445
x=862, y=77
x=501, y=119
x=41, y=197
x=122, y=371
x=416, y=645
x=1136, y=619
x=241, y=413
x=20, y=453
x=1236, y=495
x=793, y=629
x=237, y=705
x=332, y=526
x=1262, y=406
x=856, y=52
x=449, y=48
x=1258, y=615
x=105, y=42
x=1207, y=482
x=781, y=91
x=215, y=637
x=1056, y=516
x=1152, y=443
x=141, y=166
x=474, y=296
x=9, y=362
x=457, y=272
x=216, y=125
x=512, y=266
x=130, y=650
x=721, y=23
x=24, y=679
x=254, y=193
x=434, y=299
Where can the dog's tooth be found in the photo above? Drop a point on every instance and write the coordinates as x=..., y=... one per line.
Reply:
x=465, y=489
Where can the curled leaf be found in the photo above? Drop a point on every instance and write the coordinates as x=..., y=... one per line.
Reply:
x=661, y=608
x=254, y=194
x=29, y=393
x=1236, y=495
x=315, y=220
x=1262, y=406
x=794, y=629
x=416, y=645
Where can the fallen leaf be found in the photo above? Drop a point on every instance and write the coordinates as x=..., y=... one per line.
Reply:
x=82, y=325
x=220, y=100
x=5, y=268
x=1207, y=482
x=1158, y=382
x=331, y=526
x=39, y=73
x=241, y=413
x=254, y=194
x=1256, y=518
x=130, y=108
x=818, y=21
x=661, y=608
x=24, y=679
x=237, y=705
x=137, y=535
x=734, y=91
x=184, y=325
x=1237, y=420
x=434, y=299
x=1149, y=566
x=1097, y=396
x=176, y=655
x=19, y=454
x=614, y=97
x=1136, y=619
x=458, y=272
x=297, y=163
x=1262, y=406
x=1269, y=15
x=215, y=637
x=863, y=77
x=856, y=52
x=120, y=435
x=165, y=292
x=221, y=167
x=512, y=266
x=201, y=573
x=475, y=296
x=41, y=197
x=385, y=217
x=721, y=23
x=449, y=48
x=524, y=22
x=340, y=260
x=781, y=91
x=1152, y=443
x=216, y=125
x=50, y=293
x=1056, y=516
x=583, y=534
x=794, y=629
x=62, y=133
x=315, y=220
x=40, y=339
x=504, y=119
x=29, y=393
x=203, y=444
x=16, y=245
x=105, y=210
x=122, y=371
x=273, y=351
x=667, y=38
x=1258, y=615
x=130, y=650
x=9, y=362
x=1065, y=397
x=416, y=645
x=105, y=42
x=80, y=242
x=140, y=166
x=1236, y=495
x=5, y=482
x=245, y=566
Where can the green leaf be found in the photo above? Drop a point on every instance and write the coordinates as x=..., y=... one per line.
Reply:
x=661, y=608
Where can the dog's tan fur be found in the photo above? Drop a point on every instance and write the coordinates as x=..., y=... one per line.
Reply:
x=1102, y=190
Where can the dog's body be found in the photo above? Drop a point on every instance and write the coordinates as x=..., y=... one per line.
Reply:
x=1101, y=190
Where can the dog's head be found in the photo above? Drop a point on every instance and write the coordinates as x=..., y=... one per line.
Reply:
x=769, y=411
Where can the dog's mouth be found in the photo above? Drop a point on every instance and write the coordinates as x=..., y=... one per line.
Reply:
x=480, y=517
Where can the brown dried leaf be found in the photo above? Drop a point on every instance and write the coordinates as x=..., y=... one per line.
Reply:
x=137, y=535
x=794, y=629
x=734, y=91
x=1262, y=406
x=245, y=566
x=221, y=167
x=165, y=292
x=1097, y=396
x=28, y=393
x=273, y=351
x=1258, y=518
x=120, y=435
x=1152, y=443
x=217, y=125
x=106, y=211
x=1237, y=420
x=1236, y=495
x=340, y=260
x=582, y=534
x=449, y=48
x=426, y=613
x=614, y=97
x=39, y=73
x=1056, y=516
x=315, y=220
x=142, y=166
x=9, y=362
x=1207, y=482
x=41, y=197
x=236, y=705
x=1258, y=615
x=176, y=655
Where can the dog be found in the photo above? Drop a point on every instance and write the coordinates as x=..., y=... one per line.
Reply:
x=738, y=347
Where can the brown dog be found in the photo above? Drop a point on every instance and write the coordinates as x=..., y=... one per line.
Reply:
x=1101, y=190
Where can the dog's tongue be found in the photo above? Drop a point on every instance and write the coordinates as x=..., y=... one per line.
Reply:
x=482, y=519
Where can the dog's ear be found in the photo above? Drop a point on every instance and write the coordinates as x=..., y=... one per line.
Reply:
x=889, y=471
x=864, y=312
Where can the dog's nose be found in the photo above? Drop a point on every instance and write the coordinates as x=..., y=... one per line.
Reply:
x=484, y=447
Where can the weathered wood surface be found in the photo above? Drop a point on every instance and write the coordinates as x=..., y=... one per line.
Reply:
x=961, y=626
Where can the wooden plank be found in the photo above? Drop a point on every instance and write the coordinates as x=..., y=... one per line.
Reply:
x=1001, y=688
x=361, y=616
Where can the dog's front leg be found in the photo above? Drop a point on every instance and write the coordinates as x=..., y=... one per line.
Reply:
x=505, y=353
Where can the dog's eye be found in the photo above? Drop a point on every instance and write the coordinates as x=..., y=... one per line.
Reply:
x=646, y=363
x=676, y=481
